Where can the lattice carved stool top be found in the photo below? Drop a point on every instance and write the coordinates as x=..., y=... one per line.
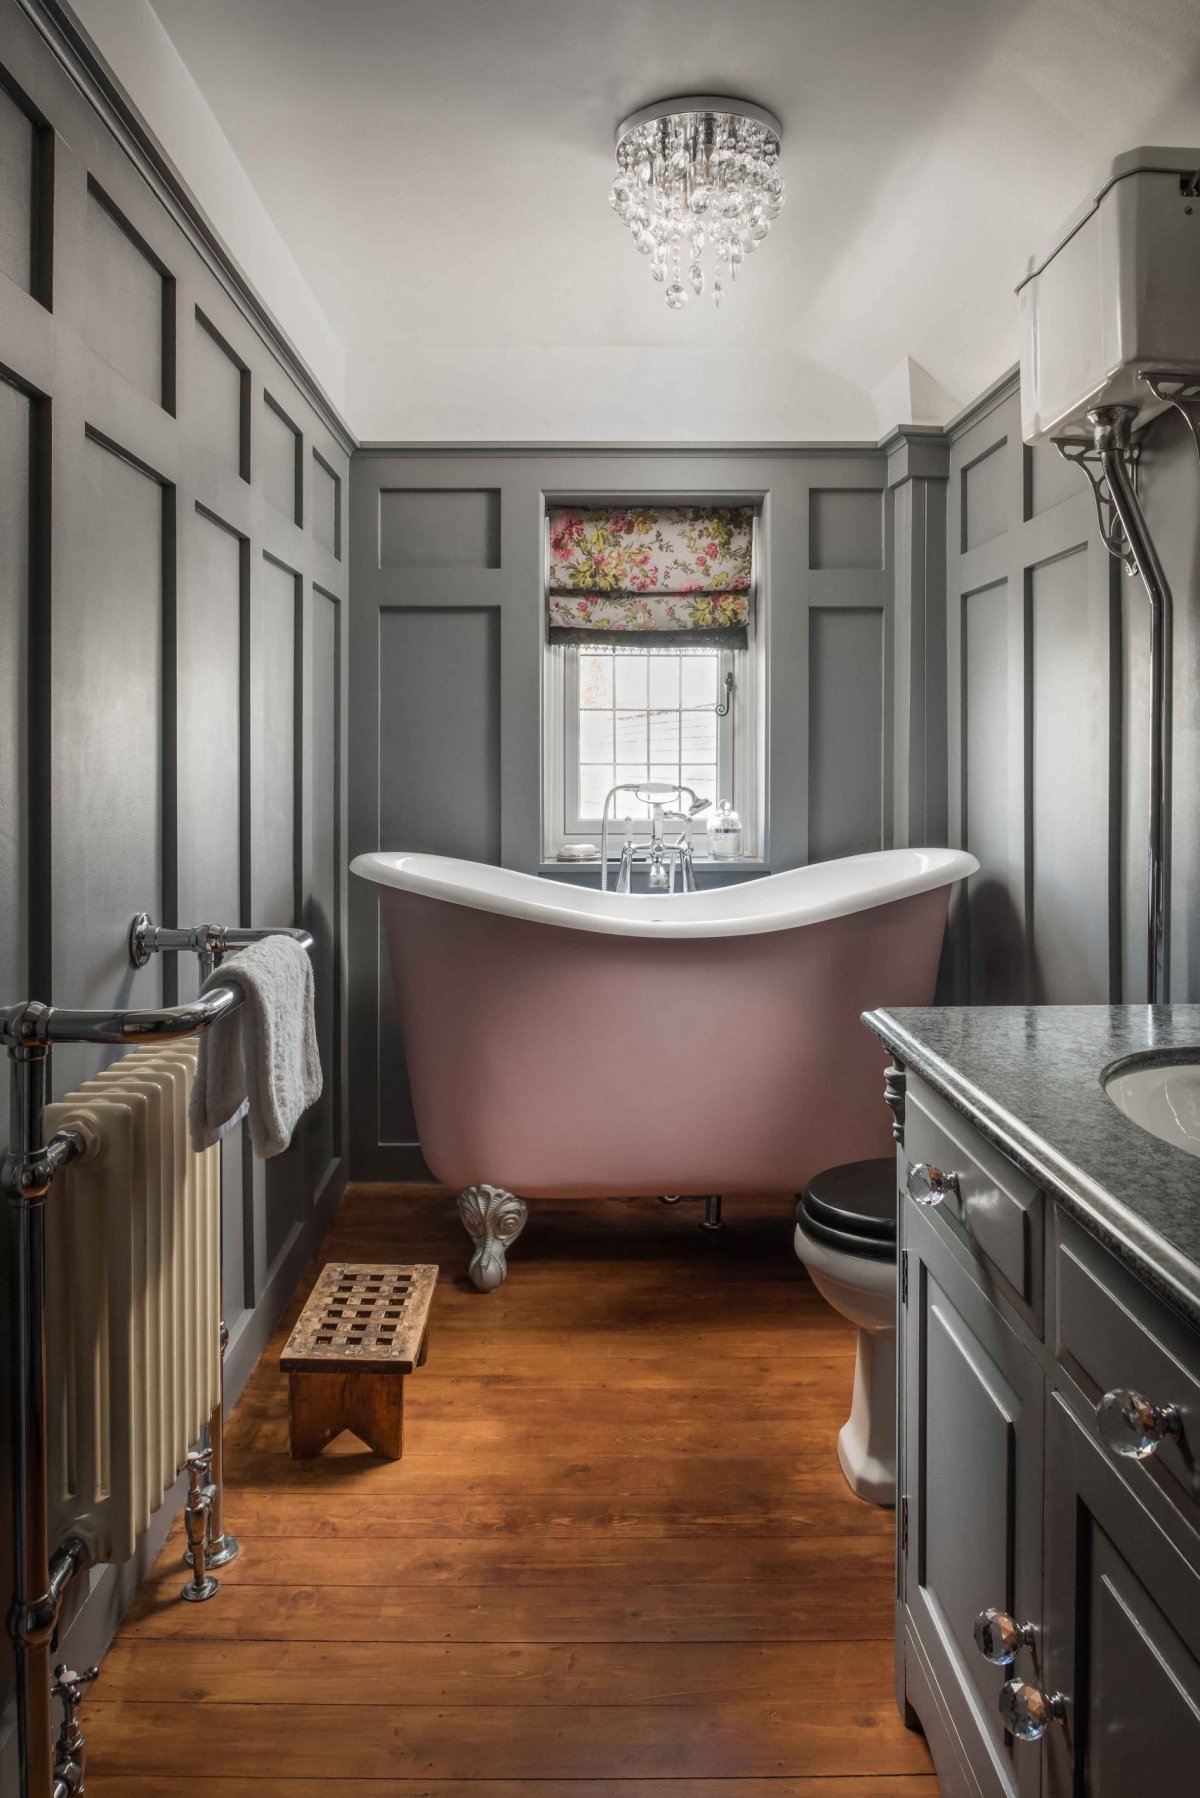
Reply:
x=360, y=1317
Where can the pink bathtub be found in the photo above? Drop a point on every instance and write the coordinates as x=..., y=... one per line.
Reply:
x=563, y=1042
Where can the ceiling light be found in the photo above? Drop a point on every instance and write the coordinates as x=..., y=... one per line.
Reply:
x=698, y=179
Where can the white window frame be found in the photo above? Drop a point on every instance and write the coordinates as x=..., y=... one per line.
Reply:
x=738, y=759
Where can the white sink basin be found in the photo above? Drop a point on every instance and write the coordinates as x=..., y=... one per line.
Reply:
x=1163, y=1097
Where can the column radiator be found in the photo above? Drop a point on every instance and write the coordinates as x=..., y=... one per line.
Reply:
x=133, y=1299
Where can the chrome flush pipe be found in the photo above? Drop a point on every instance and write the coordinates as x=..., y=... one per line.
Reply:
x=1111, y=427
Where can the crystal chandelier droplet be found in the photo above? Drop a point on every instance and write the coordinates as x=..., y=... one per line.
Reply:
x=695, y=178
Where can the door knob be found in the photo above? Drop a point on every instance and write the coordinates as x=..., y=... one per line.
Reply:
x=1000, y=1638
x=1027, y=1712
x=928, y=1185
x=1132, y=1428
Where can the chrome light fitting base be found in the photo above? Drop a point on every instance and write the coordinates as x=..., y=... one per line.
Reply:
x=1109, y=460
x=698, y=173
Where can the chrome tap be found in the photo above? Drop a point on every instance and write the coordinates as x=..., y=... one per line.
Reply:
x=661, y=856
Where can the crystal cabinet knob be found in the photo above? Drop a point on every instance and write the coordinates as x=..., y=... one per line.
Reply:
x=1131, y=1427
x=928, y=1185
x=1027, y=1712
x=1000, y=1638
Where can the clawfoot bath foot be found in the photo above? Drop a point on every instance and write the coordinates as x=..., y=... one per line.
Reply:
x=492, y=1218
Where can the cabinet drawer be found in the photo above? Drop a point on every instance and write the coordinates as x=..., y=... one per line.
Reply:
x=992, y=1205
x=1111, y=1332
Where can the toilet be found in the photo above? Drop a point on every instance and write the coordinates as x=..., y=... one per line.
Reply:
x=846, y=1238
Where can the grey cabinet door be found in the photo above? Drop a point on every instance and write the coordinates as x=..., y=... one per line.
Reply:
x=974, y=1405
x=1122, y=1632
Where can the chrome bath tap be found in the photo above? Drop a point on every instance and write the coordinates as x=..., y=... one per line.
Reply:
x=661, y=857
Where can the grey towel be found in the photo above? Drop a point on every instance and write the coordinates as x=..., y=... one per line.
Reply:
x=262, y=1060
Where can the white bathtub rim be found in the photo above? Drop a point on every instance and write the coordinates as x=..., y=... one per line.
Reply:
x=787, y=901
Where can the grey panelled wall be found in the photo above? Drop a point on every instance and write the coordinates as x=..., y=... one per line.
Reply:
x=446, y=639
x=171, y=631
x=1047, y=724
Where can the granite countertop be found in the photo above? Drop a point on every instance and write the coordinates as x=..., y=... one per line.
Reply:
x=1028, y=1078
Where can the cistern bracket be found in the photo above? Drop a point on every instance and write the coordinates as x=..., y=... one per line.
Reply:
x=1178, y=390
x=1085, y=454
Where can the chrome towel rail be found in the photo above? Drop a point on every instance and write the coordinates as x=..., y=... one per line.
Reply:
x=28, y=1031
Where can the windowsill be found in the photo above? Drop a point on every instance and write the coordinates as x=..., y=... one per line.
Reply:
x=709, y=872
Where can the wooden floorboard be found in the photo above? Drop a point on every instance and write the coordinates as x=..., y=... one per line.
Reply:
x=617, y=1559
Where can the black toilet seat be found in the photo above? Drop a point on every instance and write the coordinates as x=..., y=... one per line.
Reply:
x=853, y=1208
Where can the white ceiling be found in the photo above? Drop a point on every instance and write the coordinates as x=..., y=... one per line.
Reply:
x=439, y=170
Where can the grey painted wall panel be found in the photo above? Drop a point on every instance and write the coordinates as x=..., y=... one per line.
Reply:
x=1170, y=486
x=15, y=471
x=994, y=956
x=209, y=776
x=323, y=912
x=1052, y=479
x=985, y=509
x=124, y=302
x=1069, y=846
x=1075, y=767
x=439, y=529
x=218, y=399
x=273, y=853
x=142, y=605
x=16, y=192
x=327, y=506
x=845, y=731
x=280, y=469
x=108, y=774
x=439, y=730
x=845, y=528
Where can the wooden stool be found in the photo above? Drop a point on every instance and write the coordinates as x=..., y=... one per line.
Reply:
x=361, y=1331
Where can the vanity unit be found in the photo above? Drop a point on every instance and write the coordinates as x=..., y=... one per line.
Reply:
x=1048, y=1475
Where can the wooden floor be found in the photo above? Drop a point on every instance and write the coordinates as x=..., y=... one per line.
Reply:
x=618, y=1558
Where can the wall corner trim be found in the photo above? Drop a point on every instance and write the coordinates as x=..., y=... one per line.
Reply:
x=916, y=452
x=74, y=49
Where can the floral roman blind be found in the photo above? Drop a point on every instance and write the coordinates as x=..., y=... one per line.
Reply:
x=678, y=572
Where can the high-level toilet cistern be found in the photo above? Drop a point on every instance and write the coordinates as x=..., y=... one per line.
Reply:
x=661, y=857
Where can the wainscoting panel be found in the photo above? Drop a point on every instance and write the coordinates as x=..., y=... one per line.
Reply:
x=152, y=597
x=845, y=528
x=221, y=400
x=16, y=476
x=1034, y=722
x=327, y=506
x=129, y=300
x=1070, y=671
x=845, y=731
x=439, y=529
x=280, y=453
x=18, y=150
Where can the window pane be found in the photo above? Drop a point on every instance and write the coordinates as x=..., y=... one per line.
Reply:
x=664, y=679
x=596, y=737
x=664, y=736
x=595, y=678
x=698, y=733
x=631, y=736
x=665, y=771
x=594, y=783
x=703, y=780
x=699, y=679
x=630, y=677
x=627, y=806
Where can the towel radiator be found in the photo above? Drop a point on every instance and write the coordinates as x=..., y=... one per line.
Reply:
x=42, y=1573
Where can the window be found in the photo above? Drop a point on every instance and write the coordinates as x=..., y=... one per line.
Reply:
x=617, y=715
x=652, y=662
